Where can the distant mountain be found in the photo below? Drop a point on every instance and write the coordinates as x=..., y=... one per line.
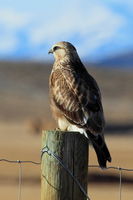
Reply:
x=121, y=60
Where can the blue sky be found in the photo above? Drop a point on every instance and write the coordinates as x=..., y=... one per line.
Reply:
x=98, y=28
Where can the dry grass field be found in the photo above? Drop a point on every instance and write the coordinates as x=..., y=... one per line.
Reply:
x=24, y=112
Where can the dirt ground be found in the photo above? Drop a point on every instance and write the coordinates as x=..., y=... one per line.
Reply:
x=19, y=143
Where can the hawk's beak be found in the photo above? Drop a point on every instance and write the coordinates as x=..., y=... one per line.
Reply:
x=50, y=51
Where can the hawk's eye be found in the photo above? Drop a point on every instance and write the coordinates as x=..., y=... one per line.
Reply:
x=55, y=48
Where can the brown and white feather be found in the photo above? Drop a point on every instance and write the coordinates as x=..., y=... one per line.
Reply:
x=75, y=94
x=76, y=99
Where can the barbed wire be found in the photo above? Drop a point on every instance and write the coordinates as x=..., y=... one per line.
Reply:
x=112, y=167
x=19, y=161
x=38, y=163
x=46, y=150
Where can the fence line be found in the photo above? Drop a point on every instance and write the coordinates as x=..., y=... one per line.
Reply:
x=38, y=163
x=112, y=167
x=20, y=162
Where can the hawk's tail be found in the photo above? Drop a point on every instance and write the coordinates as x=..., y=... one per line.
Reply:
x=100, y=148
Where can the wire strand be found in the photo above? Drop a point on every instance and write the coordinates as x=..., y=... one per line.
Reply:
x=38, y=163
x=120, y=183
x=19, y=180
x=22, y=161
x=50, y=153
x=47, y=150
x=111, y=167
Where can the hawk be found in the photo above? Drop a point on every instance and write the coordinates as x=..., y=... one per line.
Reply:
x=76, y=99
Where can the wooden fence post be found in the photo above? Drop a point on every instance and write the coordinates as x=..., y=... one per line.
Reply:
x=72, y=149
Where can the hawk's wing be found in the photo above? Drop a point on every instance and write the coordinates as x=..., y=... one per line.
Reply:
x=77, y=95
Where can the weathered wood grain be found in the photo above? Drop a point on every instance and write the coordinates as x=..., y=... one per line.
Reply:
x=56, y=183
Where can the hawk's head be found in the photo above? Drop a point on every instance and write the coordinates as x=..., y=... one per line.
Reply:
x=63, y=49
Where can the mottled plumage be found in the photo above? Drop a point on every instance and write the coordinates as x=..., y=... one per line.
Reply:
x=76, y=99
